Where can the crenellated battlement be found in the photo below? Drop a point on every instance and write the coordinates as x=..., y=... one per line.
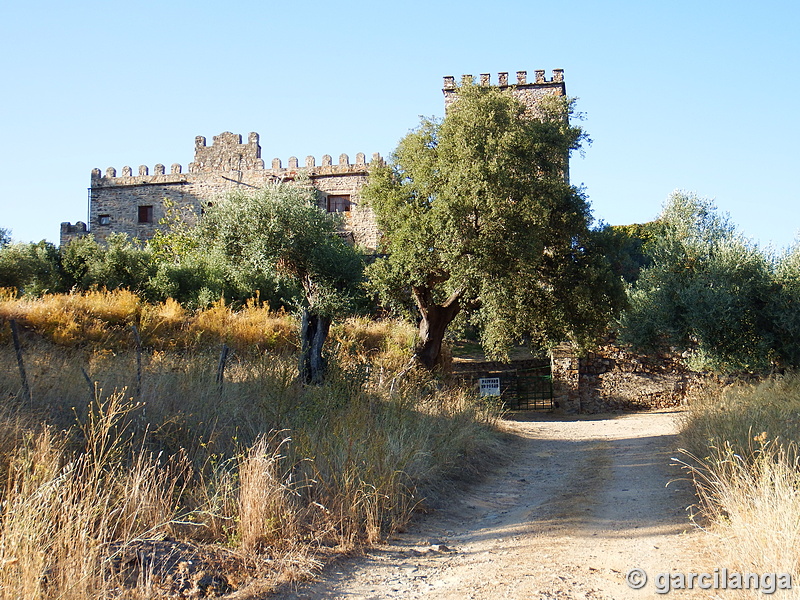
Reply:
x=529, y=92
x=135, y=200
x=326, y=165
x=228, y=154
x=144, y=177
x=485, y=79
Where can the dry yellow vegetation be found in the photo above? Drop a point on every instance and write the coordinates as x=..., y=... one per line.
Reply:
x=139, y=474
x=742, y=449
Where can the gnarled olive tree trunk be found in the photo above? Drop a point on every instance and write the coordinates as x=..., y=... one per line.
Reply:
x=314, y=330
x=432, y=326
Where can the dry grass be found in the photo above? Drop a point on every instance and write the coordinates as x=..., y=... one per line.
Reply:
x=254, y=328
x=62, y=508
x=742, y=448
x=103, y=319
x=266, y=509
x=384, y=344
x=259, y=470
x=737, y=414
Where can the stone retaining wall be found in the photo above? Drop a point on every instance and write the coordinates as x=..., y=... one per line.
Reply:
x=613, y=377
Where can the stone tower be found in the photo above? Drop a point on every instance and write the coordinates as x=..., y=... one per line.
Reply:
x=530, y=93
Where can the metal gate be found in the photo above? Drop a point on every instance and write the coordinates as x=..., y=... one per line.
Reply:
x=524, y=388
x=530, y=389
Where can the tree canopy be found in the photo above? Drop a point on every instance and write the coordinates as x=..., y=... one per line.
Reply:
x=280, y=231
x=31, y=268
x=478, y=218
x=713, y=295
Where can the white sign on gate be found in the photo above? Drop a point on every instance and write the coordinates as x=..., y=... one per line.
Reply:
x=490, y=386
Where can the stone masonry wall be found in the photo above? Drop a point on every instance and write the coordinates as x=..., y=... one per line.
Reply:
x=118, y=203
x=613, y=377
x=70, y=232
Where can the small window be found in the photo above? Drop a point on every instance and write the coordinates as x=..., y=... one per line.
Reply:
x=104, y=220
x=338, y=203
x=145, y=214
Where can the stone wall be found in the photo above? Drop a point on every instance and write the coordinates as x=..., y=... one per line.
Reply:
x=613, y=377
x=134, y=202
x=70, y=232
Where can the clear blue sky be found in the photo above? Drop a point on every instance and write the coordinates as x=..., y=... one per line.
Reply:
x=696, y=95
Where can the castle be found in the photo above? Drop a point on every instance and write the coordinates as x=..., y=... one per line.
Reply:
x=135, y=203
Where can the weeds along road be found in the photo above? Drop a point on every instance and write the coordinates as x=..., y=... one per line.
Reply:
x=581, y=501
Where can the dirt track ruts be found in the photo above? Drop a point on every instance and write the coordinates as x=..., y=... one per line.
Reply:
x=580, y=502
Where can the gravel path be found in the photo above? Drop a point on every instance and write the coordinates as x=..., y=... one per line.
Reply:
x=581, y=501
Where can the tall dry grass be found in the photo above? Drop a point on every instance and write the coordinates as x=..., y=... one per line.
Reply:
x=258, y=466
x=266, y=507
x=103, y=319
x=742, y=449
x=63, y=508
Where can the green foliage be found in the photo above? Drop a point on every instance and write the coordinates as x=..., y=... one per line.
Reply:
x=192, y=268
x=713, y=295
x=184, y=272
x=120, y=263
x=276, y=246
x=82, y=264
x=31, y=268
x=78, y=259
x=124, y=264
x=280, y=234
x=177, y=237
x=193, y=281
x=627, y=247
x=476, y=210
x=280, y=231
x=785, y=308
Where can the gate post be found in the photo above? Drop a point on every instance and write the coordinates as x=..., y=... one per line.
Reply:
x=565, y=367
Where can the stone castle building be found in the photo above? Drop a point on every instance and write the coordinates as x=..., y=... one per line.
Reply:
x=135, y=202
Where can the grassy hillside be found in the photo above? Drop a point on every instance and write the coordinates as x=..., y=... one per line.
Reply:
x=139, y=473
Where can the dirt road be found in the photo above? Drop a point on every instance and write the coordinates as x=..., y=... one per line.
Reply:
x=581, y=502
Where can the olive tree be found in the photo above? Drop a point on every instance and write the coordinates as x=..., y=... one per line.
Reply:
x=280, y=230
x=711, y=294
x=478, y=218
x=33, y=268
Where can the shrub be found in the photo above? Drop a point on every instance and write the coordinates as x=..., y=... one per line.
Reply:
x=32, y=269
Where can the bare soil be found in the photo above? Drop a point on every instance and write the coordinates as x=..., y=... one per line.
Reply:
x=579, y=502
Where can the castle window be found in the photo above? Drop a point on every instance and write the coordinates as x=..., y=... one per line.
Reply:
x=104, y=220
x=338, y=203
x=145, y=214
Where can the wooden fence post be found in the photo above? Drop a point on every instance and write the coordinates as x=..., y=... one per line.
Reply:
x=138, y=341
x=223, y=358
x=20, y=363
x=92, y=389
